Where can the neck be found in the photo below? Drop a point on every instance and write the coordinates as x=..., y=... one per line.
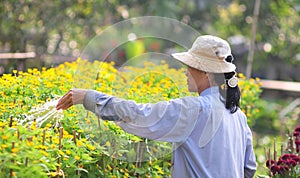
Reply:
x=201, y=89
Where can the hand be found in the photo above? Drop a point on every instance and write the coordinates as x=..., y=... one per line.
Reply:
x=74, y=96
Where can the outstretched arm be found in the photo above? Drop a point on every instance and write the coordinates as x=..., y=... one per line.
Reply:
x=166, y=121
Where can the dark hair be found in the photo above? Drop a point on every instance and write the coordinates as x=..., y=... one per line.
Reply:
x=231, y=95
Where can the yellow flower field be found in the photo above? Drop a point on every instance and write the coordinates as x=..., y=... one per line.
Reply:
x=37, y=140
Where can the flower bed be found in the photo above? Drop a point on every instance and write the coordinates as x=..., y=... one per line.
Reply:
x=288, y=163
x=37, y=140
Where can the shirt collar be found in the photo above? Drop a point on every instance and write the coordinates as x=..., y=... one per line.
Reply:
x=209, y=91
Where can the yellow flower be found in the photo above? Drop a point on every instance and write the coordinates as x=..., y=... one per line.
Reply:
x=2, y=124
x=55, y=140
x=68, y=152
x=61, y=152
x=14, y=150
x=83, y=140
x=107, y=144
x=29, y=143
x=77, y=157
x=91, y=147
x=33, y=127
x=79, y=143
x=4, y=137
x=52, y=146
x=44, y=153
x=53, y=174
x=43, y=147
x=14, y=173
x=241, y=75
x=108, y=166
x=68, y=136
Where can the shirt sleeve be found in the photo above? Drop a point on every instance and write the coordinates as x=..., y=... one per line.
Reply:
x=250, y=161
x=171, y=121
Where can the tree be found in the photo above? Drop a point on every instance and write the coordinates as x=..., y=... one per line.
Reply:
x=65, y=27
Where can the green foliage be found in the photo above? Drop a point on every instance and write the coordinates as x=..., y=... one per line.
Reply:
x=267, y=117
x=75, y=143
x=64, y=27
x=250, y=102
x=134, y=48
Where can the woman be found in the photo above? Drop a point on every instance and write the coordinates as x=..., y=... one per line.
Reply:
x=210, y=134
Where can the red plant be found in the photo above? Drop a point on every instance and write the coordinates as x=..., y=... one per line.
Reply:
x=287, y=163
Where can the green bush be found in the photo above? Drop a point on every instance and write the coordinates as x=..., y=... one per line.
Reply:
x=37, y=139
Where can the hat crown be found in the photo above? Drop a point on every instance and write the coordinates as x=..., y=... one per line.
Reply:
x=208, y=54
x=210, y=47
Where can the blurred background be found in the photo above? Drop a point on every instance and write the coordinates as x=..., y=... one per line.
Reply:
x=36, y=34
x=57, y=31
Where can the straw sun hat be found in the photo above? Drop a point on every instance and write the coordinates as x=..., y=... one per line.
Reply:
x=208, y=54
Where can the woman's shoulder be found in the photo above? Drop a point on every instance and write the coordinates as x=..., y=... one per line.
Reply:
x=195, y=101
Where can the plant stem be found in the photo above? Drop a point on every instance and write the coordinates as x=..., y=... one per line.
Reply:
x=11, y=171
x=274, y=149
x=74, y=137
x=10, y=121
x=44, y=136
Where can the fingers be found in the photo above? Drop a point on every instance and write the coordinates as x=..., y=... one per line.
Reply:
x=66, y=105
x=66, y=101
x=74, y=96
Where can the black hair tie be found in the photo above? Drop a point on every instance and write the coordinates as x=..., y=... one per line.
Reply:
x=229, y=58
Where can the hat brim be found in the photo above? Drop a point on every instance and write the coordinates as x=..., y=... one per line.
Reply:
x=204, y=64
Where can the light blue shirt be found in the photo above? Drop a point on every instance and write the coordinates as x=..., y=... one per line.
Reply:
x=208, y=141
